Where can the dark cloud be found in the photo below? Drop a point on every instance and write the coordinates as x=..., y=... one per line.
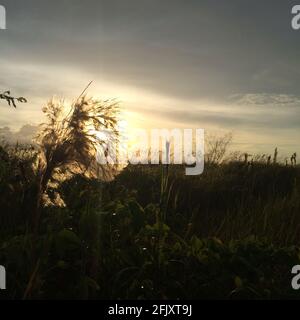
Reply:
x=235, y=52
x=203, y=48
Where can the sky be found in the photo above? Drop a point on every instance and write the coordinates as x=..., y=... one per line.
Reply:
x=225, y=66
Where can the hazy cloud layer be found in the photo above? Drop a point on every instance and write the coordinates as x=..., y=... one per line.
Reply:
x=238, y=53
x=24, y=135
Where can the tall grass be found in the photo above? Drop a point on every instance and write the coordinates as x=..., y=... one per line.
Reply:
x=68, y=143
x=68, y=231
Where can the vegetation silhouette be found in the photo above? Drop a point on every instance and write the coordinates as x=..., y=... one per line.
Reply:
x=11, y=100
x=68, y=230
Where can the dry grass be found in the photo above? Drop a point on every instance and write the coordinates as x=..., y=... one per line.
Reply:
x=69, y=141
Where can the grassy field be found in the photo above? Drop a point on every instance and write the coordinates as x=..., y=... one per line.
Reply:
x=153, y=232
x=150, y=233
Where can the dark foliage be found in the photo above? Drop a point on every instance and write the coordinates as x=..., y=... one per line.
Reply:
x=152, y=233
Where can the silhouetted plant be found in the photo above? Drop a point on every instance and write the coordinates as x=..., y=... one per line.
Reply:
x=11, y=100
x=216, y=148
x=69, y=141
x=294, y=159
x=275, y=155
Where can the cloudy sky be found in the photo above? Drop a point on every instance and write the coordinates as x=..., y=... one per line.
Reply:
x=229, y=65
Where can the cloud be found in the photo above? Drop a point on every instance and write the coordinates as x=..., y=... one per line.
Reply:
x=267, y=120
x=203, y=49
x=265, y=99
x=22, y=136
x=241, y=57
